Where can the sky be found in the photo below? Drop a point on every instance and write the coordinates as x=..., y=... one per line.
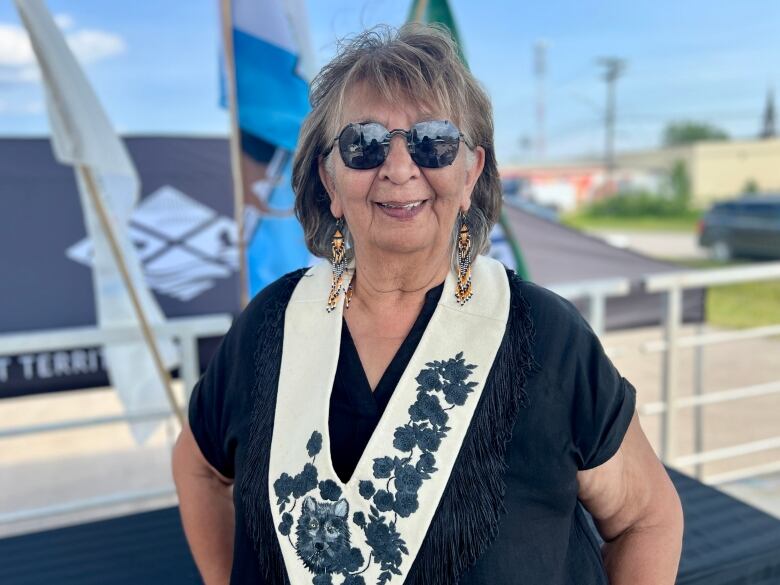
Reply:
x=153, y=64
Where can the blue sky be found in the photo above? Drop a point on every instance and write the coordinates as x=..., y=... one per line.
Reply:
x=154, y=65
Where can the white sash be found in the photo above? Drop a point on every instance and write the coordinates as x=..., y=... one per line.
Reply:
x=369, y=530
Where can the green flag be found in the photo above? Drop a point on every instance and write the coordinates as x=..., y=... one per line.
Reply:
x=430, y=11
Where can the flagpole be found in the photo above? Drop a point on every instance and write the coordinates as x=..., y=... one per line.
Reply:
x=235, y=148
x=419, y=10
x=520, y=266
x=151, y=342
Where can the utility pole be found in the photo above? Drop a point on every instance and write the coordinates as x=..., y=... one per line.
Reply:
x=540, y=70
x=768, y=126
x=613, y=70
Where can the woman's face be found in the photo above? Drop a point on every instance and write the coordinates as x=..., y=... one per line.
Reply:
x=398, y=207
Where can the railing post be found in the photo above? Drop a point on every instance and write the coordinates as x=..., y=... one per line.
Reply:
x=190, y=364
x=597, y=310
x=672, y=323
x=698, y=388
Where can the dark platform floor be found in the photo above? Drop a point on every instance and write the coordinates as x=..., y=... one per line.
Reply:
x=726, y=542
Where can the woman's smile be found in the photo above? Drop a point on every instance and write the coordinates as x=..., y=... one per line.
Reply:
x=402, y=210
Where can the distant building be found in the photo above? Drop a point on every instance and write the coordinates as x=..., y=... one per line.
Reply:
x=562, y=186
x=717, y=170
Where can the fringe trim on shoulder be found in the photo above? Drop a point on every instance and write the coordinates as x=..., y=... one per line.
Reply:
x=467, y=519
x=254, y=482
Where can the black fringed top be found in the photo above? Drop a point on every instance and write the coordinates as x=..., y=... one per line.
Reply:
x=553, y=404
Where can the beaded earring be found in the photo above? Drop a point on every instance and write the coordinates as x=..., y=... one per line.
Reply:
x=338, y=263
x=463, y=288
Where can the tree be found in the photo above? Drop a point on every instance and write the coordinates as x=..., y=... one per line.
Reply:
x=680, y=184
x=689, y=132
x=751, y=187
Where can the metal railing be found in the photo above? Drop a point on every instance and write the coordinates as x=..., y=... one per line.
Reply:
x=595, y=292
x=186, y=331
x=673, y=285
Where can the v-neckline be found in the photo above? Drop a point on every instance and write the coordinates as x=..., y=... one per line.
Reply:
x=381, y=394
x=349, y=484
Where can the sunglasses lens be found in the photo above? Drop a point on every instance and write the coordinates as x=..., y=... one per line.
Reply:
x=363, y=146
x=435, y=143
x=432, y=144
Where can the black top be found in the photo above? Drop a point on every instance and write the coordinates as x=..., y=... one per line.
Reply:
x=575, y=411
x=354, y=409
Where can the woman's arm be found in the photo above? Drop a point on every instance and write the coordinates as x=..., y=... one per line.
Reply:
x=207, y=512
x=637, y=512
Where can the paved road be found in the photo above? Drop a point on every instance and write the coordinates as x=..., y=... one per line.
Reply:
x=657, y=244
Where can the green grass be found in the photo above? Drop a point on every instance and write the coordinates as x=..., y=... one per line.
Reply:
x=685, y=222
x=752, y=304
x=745, y=305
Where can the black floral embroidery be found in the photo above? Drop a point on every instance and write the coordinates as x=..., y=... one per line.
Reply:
x=315, y=444
x=322, y=531
x=366, y=489
x=329, y=490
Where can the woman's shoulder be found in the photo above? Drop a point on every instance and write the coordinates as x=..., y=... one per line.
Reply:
x=543, y=305
x=556, y=330
x=265, y=308
x=273, y=296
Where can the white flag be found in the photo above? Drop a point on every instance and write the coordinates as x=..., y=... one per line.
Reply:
x=82, y=135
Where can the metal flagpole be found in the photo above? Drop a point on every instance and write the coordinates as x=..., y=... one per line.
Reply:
x=151, y=341
x=235, y=148
x=419, y=10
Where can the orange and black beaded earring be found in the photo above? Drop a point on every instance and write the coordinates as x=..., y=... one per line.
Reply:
x=338, y=264
x=463, y=288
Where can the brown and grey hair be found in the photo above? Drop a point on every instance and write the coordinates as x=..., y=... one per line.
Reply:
x=419, y=64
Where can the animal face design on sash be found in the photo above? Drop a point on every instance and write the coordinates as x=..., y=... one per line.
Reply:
x=323, y=535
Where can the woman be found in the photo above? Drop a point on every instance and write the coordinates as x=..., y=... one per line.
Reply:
x=411, y=411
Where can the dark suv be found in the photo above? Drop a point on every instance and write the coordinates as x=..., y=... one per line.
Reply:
x=748, y=227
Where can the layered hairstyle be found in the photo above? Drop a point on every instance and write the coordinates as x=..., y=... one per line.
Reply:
x=420, y=65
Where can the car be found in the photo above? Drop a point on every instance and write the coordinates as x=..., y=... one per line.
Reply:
x=748, y=227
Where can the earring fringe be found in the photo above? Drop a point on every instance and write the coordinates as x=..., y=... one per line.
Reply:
x=463, y=288
x=338, y=261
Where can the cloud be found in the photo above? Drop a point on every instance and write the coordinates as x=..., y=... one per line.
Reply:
x=15, y=49
x=91, y=46
x=64, y=21
x=30, y=108
x=17, y=60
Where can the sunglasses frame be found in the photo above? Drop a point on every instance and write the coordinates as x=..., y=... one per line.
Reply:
x=407, y=134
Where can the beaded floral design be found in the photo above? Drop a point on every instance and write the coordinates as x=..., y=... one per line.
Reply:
x=323, y=530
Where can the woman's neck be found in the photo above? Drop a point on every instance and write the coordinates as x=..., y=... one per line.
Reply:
x=388, y=281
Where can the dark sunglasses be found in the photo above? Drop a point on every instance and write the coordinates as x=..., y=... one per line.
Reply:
x=432, y=144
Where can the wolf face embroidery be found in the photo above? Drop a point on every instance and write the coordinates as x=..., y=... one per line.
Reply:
x=323, y=535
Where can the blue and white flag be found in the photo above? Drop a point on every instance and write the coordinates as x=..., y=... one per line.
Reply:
x=269, y=47
x=273, y=66
x=277, y=245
